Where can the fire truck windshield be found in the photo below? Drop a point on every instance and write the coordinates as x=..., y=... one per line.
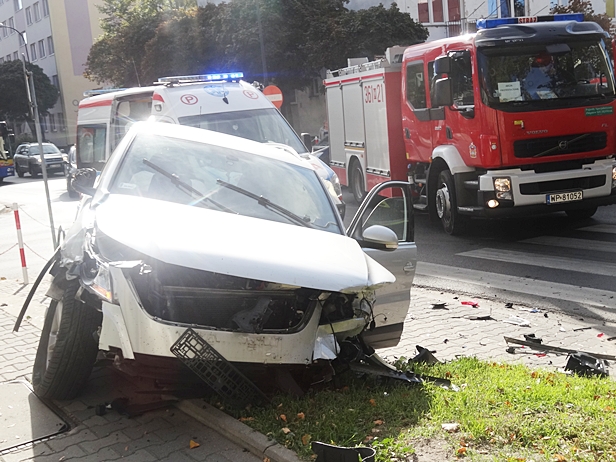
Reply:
x=561, y=73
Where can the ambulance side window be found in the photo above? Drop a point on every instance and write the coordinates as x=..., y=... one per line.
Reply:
x=415, y=85
x=91, y=145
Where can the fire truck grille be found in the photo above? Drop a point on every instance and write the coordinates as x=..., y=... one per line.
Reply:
x=543, y=187
x=559, y=145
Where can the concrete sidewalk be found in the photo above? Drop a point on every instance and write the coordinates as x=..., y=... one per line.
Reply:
x=451, y=330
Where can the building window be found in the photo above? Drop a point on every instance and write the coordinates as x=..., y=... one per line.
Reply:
x=11, y=24
x=437, y=11
x=50, y=49
x=18, y=5
x=55, y=81
x=8, y=58
x=15, y=55
x=44, y=123
x=61, y=122
x=423, y=10
x=52, y=123
x=41, y=47
x=1, y=60
x=454, y=10
x=29, y=16
x=45, y=8
x=33, y=52
x=37, y=11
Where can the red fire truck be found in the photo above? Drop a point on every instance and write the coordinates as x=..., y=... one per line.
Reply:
x=515, y=119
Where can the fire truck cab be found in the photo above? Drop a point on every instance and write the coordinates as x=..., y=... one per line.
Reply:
x=515, y=119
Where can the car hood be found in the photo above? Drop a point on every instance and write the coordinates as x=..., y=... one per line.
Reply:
x=236, y=245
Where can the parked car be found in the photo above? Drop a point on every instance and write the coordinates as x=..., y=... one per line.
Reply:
x=237, y=240
x=70, y=167
x=27, y=159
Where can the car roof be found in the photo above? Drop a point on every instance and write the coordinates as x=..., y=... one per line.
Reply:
x=273, y=151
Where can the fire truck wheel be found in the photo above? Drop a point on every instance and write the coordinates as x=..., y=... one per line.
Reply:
x=581, y=214
x=67, y=349
x=358, y=187
x=446, y=205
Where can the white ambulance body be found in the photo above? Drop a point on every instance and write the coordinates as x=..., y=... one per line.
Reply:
x=234, y=107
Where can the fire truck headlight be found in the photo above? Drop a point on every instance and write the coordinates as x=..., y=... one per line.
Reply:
x=614, y=177
x=502, y=186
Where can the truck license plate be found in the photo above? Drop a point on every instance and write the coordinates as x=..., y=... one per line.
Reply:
x=563, y=197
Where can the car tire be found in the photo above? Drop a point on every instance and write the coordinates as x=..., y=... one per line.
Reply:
x=20, y=172
x=33, y=172
x=71, y=192
x=67, y=348
x=358, y=186
x=581, y=214
x=447, y=205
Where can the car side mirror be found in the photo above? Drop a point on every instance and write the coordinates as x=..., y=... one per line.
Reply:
x=83, y=182
x=443, y=93
x=307, y=139
x=379, y=237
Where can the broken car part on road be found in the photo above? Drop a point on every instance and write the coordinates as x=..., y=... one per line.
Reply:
x=239, y=241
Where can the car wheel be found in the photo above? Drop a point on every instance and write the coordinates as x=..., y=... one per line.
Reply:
x=358, y=187
x=67, y=348
x=33, y=172
x=581, y=214
x=446, y=205
x=69, y=187
x=20, y=172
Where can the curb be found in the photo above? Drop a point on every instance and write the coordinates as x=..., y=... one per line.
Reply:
x=237, y=432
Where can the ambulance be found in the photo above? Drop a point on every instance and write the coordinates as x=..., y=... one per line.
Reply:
x=217, y=102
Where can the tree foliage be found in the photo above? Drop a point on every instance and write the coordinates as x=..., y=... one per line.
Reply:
x=14, y=104
x=147, y=39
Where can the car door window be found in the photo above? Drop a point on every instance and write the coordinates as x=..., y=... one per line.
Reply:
x=390, y=212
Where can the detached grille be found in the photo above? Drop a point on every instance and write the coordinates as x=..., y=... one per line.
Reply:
x=559, y=145
x=562, y=185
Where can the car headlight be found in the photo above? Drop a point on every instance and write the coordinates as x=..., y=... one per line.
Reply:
x=101, y=284
x=336, y=185
x=502, y=186
x=38, y=159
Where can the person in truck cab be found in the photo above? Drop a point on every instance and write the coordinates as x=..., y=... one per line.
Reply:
x=543, y=78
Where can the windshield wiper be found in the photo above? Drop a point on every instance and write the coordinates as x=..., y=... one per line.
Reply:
x=185, y=187
x=265, y=202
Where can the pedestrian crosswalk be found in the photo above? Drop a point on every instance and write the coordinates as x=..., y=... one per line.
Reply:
x=593, y=255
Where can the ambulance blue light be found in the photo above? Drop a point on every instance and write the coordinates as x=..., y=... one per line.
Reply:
x=495, y=22
x=224, y=76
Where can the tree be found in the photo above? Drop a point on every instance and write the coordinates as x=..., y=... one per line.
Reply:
x=14, y=103
x=145, y=40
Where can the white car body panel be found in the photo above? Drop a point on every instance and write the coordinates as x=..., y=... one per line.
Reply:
x=211, y=240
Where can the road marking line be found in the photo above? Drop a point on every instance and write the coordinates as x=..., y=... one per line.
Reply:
x=571, y=243
x=527, y=286
x=610, y=229
x=544, y=261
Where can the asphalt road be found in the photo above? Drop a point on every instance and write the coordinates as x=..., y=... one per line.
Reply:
x=548, y=261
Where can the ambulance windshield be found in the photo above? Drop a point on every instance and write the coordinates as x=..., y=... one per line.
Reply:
x=560, y=72
x=260, y=125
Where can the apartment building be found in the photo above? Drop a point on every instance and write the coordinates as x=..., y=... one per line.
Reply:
x=448, y=18
x=58, y=35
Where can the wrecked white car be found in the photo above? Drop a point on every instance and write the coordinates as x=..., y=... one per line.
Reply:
x=236, y=240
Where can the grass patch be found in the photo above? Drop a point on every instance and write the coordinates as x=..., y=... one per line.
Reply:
x=505, y=412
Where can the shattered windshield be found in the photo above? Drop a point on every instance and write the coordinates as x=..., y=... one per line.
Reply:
x=260, y=125
x=224, y=179
x=561, y=72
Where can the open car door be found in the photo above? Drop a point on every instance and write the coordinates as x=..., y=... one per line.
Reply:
x=388, y=205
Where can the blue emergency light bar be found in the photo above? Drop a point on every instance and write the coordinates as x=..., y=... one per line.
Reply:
x=203, y=77
x=495, y=22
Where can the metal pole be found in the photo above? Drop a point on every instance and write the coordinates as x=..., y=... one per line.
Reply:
x=31, y=91
x=263, y=63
